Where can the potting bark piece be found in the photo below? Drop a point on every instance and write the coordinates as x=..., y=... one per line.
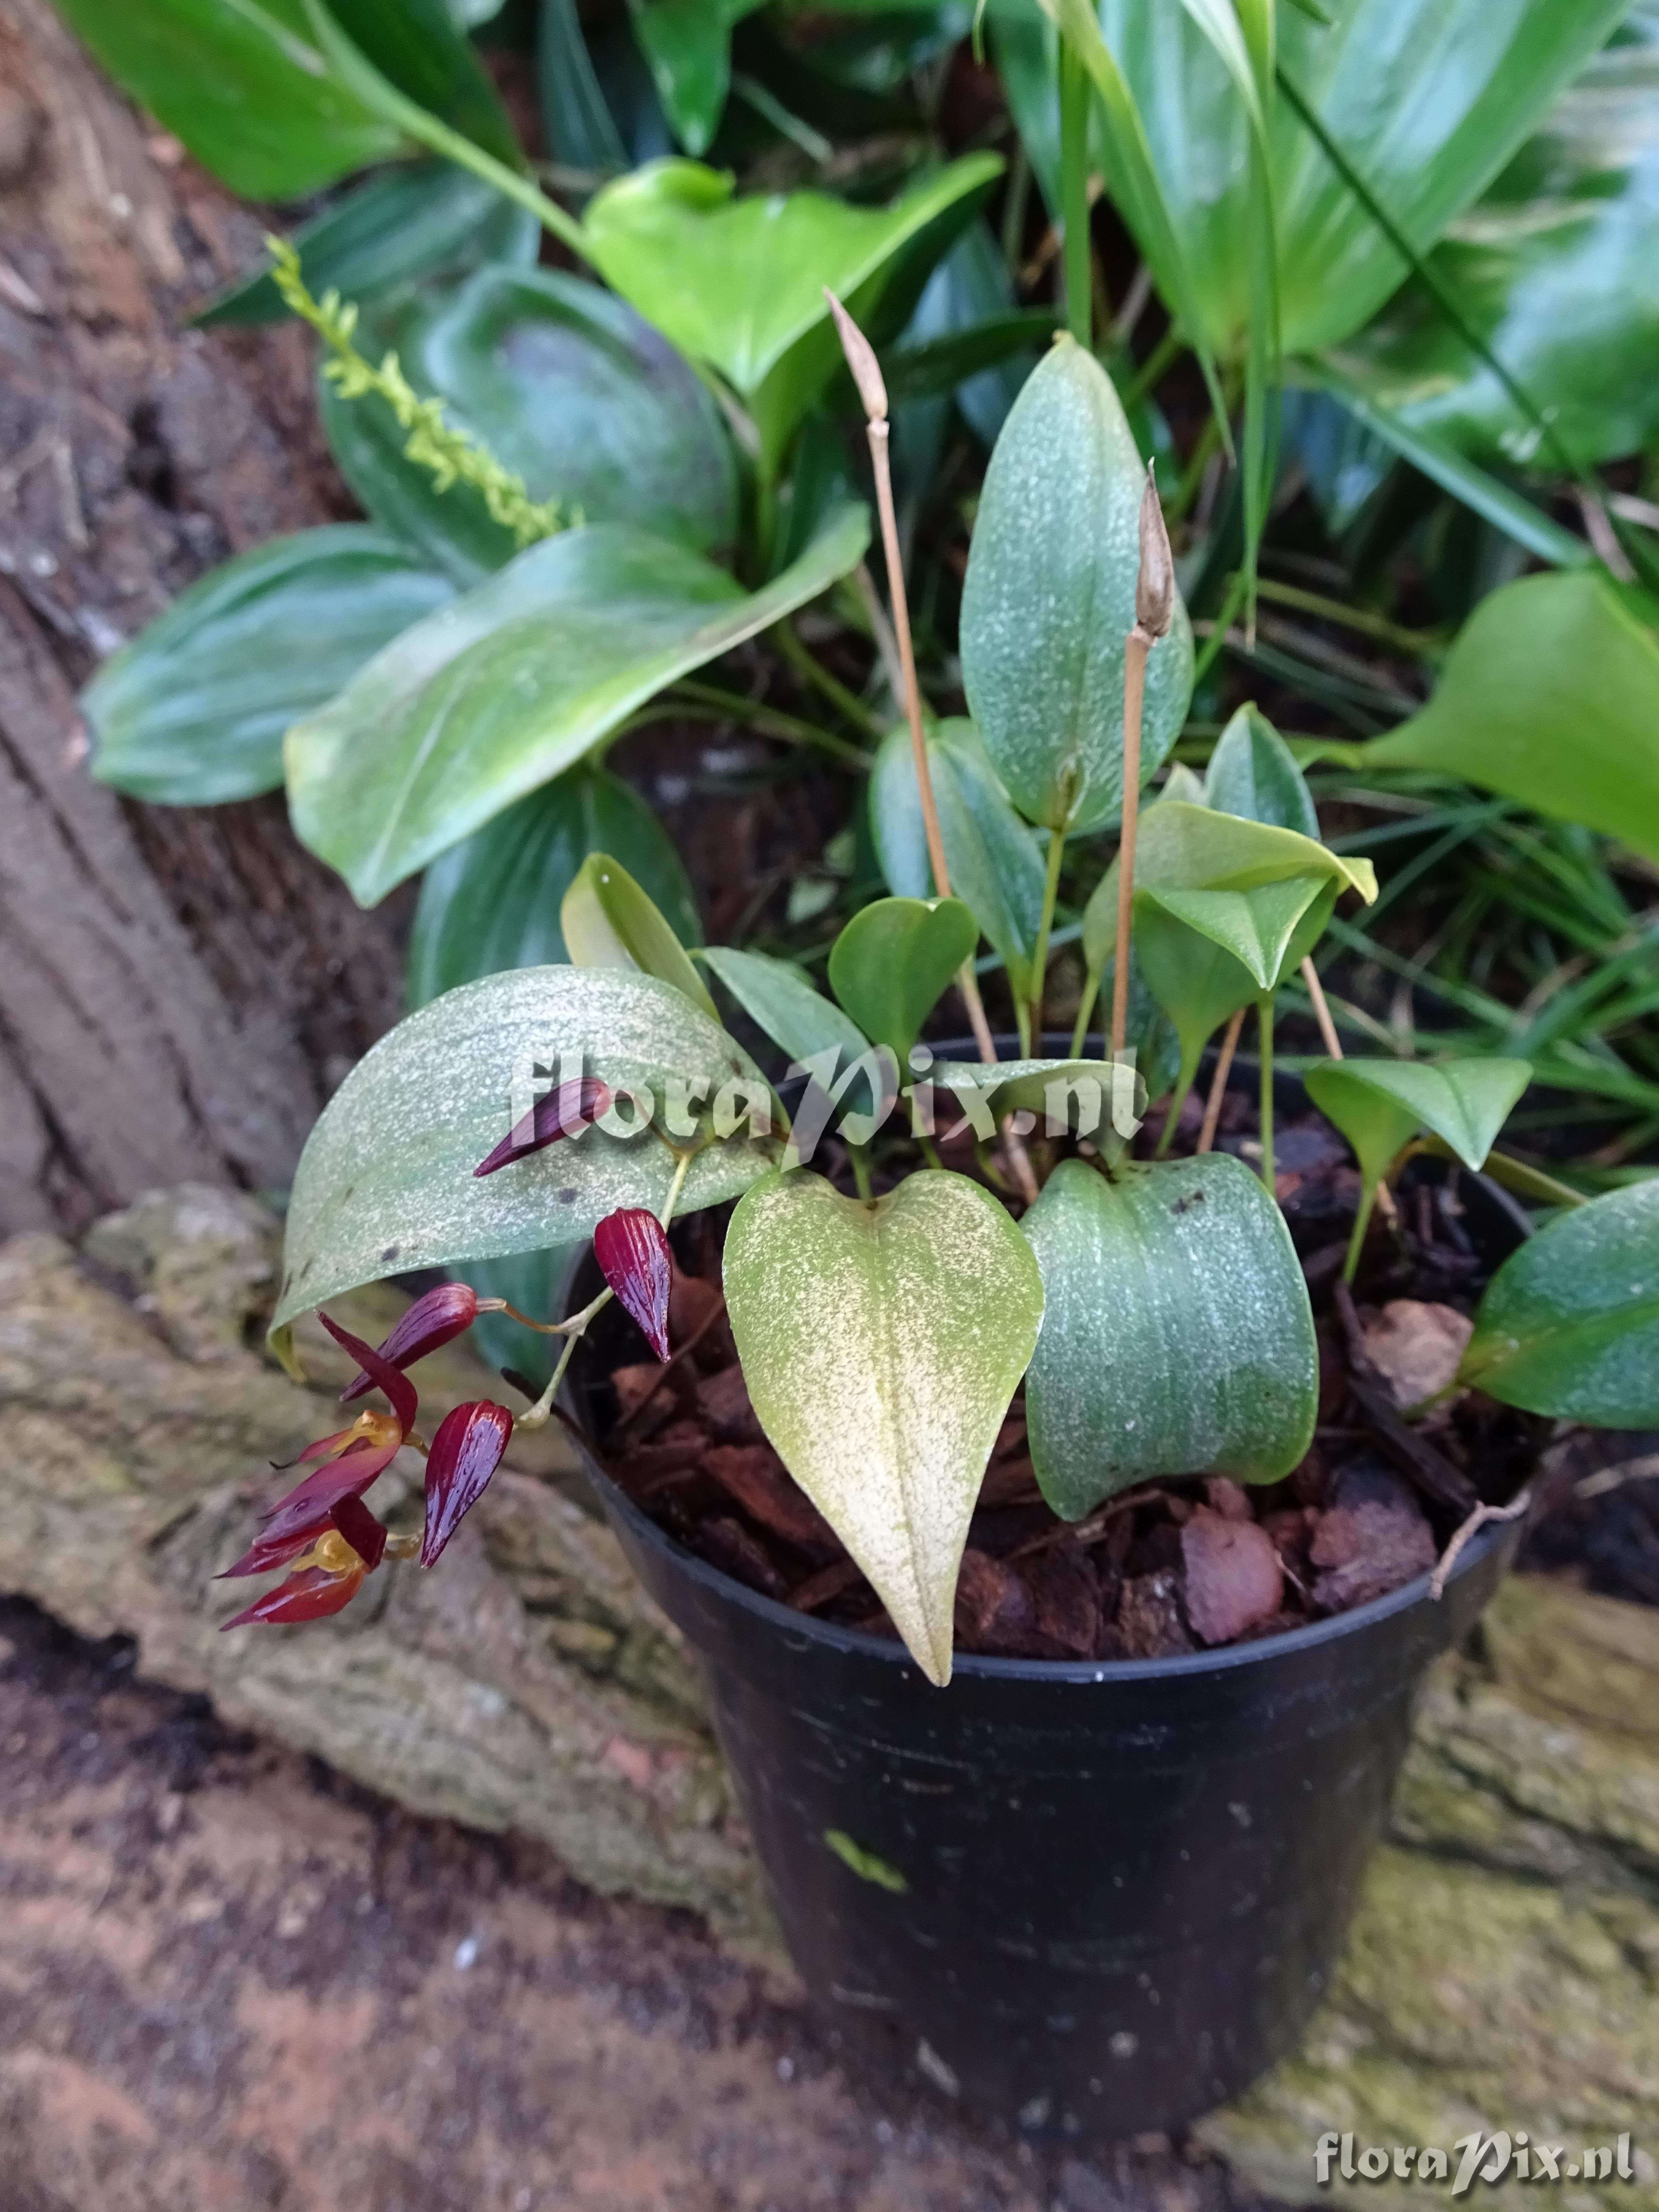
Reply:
x=1233, y=1580
x=1372, y=1537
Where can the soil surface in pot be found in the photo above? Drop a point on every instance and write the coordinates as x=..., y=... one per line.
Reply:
x=1171, y=1566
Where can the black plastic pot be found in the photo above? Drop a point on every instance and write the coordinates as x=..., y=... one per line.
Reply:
x=1094, y=1898
x=1083, y=1898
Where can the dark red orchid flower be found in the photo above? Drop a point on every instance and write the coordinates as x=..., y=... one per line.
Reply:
x=566, y=1112
x=631, y=1246
x=465, y=1452
x=353, y=1460
x=435, y=1319
x=351, y=1546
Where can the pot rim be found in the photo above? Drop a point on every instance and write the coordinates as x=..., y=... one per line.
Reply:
x=858, y=1642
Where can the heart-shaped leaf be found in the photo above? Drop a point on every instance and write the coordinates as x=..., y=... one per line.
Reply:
x=565, y=386
x=1569, y=1324
x=192, y=712
x=738, y=283
x=778, y=999
x=1253, y=773
x=1185, y=848
x=881, y=1344
x=1197, y=981
x=893, y=961
x=1255, y=926
x=1463, y=1101
x=517, y=681
x=1090, y=1097
x=608, y=921
x=385, y=1184
x=1177, y=1337
x=1049, y=600
x=1551, y=696
x=996, y=866
x=492, y=902
x=418, y=219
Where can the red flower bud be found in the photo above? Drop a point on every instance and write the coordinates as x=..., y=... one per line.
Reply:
x=312, y=1594
x=434, y=1319
x=382, y=1375
x=565, y=1112
x=465, y=1452
x=632, y=1249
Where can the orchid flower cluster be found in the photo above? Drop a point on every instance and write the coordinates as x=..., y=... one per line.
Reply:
x=322, y=1530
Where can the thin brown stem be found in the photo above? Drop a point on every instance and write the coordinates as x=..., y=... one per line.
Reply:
x=895, y=593
x=1224, y=1068
x=1140, y=644
x=1322, y=1010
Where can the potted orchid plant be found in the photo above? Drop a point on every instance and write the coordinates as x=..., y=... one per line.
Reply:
x=1058, y=1537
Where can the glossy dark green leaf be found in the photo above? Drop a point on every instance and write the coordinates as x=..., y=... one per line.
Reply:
x=800, y=1021
x=883, y=1397
x=996, y=865
x=688, y=45
x=1465, y=1102
x=1557, y=270
x=419, y=218
x=1551, y=696
x=193, y=711
x=517, y=682
x=1253, y=773
x=1177, y=1337
x=246, y=88
x=739, y=284
x=565, y=386
x=608, y=921
x=1428, y=102
x=968, y=337
x=492, y=902
x=384, y=1185
x=894, y=961
x=1049, y=600
x=1569, y=1324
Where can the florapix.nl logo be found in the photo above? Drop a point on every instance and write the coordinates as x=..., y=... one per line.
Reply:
x=1478, y=2157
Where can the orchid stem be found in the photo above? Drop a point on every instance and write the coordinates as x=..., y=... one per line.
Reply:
x=1138, y=644
x=1362, y=1222
x=1224, y=1068
x=1322, y=1010
x=807, y=665
x=1265, y=1016
x=1045, y=927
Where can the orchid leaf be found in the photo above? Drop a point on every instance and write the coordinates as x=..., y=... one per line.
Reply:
x=1379, y=1105
x=608, y=921
x=1049, y=600
x=894, y=960
x=515, y=683
x=1194, y=975
x=193, y=711
x=882, y=1397
x=1253, y=773
x=385, y=1184
x=1256, y=927
x=778, y=999
x=1568, y=1325
x=1177, y=1337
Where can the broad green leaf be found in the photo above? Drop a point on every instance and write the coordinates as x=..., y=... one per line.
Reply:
x=894, y=960
x=688, y=44
x=1049, y=600
x=1379, y=1105
x=416, y=220
x=1427, y=100
x=608, y=921
x=996, y=868
x=1569, y=1324
x=1253, y=773
x=386, y=1186
x=192, y=712
x=1086, y=1096
x=881, y=1344
x=778, y=999
x=1197, y=981
x=244, y=88
x=738, y=283
x=418, y=50
x=1551, y=696
x=1182, y=846
x=492, y=902
x=1557, y=270
x=515, y=683
x=1177, y=1337
x=568, y=388
x=1256, y=927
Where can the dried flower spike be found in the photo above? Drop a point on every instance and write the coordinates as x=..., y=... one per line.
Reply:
x=632, y=1250
x=862, y=359
x=1155, y=586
